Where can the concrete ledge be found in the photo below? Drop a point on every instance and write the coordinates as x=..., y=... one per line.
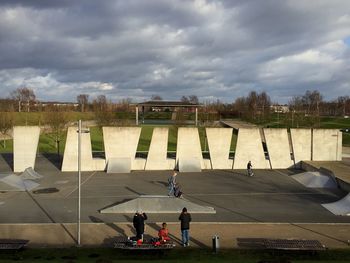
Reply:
x=103, y=234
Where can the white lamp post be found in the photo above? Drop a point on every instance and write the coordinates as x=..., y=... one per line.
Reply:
x=80, y=131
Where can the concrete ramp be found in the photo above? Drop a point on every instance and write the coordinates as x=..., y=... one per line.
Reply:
x=18, y=183
x=29, y=173
x=341, y=207
x=4, y=187
x=158, y=204
x=118, y=165
x=189, y=165
x=315, y=180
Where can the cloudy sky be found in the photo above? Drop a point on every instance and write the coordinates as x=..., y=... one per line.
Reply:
x=212, y=49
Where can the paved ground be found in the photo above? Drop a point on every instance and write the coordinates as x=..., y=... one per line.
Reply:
x=269, y=205
x=270, y=196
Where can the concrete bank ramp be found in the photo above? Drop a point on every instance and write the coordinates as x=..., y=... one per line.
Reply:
x=341, y=207
x=315, y=180
x=19, y=184
x=159, y=204
x=29, y=173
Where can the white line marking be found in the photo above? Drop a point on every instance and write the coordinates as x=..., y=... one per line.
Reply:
x=76, y=188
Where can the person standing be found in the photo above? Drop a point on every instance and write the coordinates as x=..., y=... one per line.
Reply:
x=139, y=224
x=172, y=183
x=185, y=219
x=249, y=169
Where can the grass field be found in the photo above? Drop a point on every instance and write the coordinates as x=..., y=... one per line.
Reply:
x=106, y=255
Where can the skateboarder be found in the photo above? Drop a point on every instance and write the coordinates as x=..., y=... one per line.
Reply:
x=249, y=169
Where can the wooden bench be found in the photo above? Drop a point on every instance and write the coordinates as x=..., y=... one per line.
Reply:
x=280, y=244
x=12, y=244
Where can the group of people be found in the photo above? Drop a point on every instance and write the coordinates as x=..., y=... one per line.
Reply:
x=163, y=234
x=185, y=217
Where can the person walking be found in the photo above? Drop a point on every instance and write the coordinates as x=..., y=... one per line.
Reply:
x=249, y=169
x=172, y=183
x=139, y=224
x=185, y=219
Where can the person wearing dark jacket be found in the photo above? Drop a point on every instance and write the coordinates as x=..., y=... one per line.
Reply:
x=139, y=224
x=185, y=219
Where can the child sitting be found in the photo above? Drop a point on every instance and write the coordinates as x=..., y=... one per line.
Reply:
x=163, y=234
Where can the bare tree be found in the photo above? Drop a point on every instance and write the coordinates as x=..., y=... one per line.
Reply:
x=100, y=103
x=6, y=124
x=103, y=111
x=343, y=104
x=23, y=95
x=83, y=100
x=156, y=97
x=193, y=99
x=56, y=119
x=185, y=99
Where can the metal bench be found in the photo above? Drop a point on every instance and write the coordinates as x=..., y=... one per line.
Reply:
x=12, y=244
x=127, y=244
x=280, y=244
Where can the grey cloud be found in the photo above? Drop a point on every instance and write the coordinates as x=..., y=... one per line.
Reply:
x=214, y=49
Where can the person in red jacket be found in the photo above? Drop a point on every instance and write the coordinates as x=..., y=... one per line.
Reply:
x=163, y=234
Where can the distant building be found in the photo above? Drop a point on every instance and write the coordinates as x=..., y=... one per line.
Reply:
x=279, y=108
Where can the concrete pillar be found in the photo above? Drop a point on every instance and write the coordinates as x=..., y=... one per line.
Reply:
x=70, y=157
x=249, y=148
x=278, y=147
x=326, y=145
x=219, y=142
x=196, y=116
x=25, y=145
x=188, y=149
x=137, y=115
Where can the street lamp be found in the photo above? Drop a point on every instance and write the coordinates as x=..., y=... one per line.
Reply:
x=80, y=131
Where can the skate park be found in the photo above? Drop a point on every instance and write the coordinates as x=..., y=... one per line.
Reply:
x=280, y=200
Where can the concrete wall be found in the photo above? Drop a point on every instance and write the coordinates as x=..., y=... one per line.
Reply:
x=25, y=145
x=121, y=142
x=278, y=148
x=219, y=143
x=326, y=145
x=301, y=141
x=249, y=148
x=188, y=146
x=157, y=154
x=70, y=157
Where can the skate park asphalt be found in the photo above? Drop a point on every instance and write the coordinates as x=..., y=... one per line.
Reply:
x=271, y=203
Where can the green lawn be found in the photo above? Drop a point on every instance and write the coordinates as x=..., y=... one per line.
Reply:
x=105, y=255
